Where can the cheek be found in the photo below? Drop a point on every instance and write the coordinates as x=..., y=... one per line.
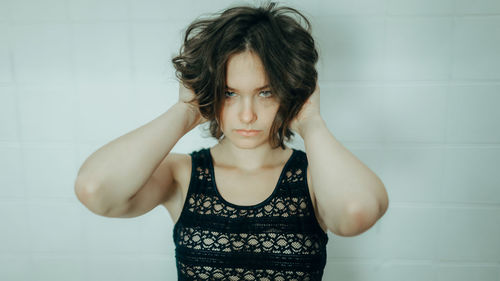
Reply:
x=271, y=116
x=275, y=110
x=226, y=115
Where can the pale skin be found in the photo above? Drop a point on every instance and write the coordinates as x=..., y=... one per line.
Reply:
x=348, y=197
x=122, y=179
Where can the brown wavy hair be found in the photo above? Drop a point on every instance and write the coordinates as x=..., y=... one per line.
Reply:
x=285, y=47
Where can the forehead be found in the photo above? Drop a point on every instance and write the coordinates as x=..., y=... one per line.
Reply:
x=245, y=72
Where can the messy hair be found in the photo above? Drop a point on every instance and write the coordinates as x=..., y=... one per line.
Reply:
x=285, y=47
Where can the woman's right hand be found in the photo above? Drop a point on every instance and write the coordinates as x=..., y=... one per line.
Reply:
x=185, y=95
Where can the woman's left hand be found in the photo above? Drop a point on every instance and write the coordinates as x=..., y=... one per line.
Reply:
x=308, y=112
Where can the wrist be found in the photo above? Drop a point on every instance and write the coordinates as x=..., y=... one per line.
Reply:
x=189, y=115
x=308, y=126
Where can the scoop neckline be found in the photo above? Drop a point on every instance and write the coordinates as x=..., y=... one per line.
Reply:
x=265, y=201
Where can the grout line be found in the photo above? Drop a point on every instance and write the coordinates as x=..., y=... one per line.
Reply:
x=397, y=204
x=166, y=20
x=132, y=62
x=389, y=144
x=20, y=139
x=385, y=79
x=74, y=88
x=446, y=205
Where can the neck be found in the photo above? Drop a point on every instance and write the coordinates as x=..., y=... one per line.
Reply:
x=249, y=160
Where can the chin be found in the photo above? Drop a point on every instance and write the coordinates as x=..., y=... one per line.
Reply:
x=246, y=144
x=249, y=143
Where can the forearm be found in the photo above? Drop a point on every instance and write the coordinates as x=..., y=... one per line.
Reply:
x=120, y=168
x=344, y=187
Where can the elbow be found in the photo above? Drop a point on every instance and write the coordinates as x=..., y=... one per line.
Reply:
x=353, y=222
x=84, y=191
x=382, y=200
x=361, y=217
x=87, y=195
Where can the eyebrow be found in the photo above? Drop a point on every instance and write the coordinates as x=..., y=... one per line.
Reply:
x=256, y=89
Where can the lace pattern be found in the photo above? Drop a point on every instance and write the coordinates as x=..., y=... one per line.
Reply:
x=278, y=207
x=270, y=242
x=278, y=239
x=233, y=274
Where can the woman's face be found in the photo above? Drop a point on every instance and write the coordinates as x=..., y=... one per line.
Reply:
x=249, y=103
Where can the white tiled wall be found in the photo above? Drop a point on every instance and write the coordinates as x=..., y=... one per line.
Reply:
x=412, y=87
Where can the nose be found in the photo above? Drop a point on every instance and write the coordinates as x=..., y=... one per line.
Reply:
x=247, y=112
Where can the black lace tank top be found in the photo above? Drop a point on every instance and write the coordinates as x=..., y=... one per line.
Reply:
x=277, y=239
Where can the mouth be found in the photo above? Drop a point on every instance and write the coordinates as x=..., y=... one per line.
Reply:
x=248, y=133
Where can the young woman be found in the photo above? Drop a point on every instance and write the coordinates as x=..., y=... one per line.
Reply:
x=248, y=208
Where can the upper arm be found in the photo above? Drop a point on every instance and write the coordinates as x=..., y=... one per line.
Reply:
x=158, y=188
x=317, y=208
x=343, y=216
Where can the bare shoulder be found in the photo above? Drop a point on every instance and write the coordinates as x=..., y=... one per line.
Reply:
x=180, y=165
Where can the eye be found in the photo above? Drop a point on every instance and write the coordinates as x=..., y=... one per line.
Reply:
x=268, y=94
x=228, y=94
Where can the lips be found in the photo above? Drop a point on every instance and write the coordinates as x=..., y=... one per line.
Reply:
x=248, y=133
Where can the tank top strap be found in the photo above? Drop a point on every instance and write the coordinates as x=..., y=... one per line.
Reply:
x=295, y=175
x=299, y=163
x=201, y=177
x=295, y=188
